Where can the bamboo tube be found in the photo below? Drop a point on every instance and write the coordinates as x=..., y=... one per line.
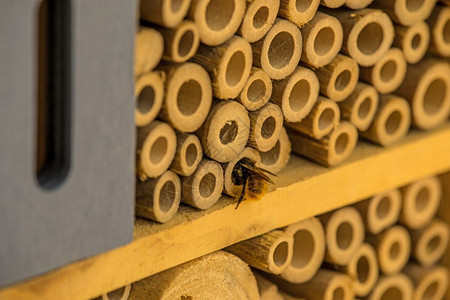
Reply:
x=394, y=287
x=381, y=211
x=368, y=34
x=279, y=52
x=149, y=94
x=258, y=19
x=148, y=50
x=393, y=248
x=296, y=94
x=430, y=283
x=429, y=244
x=322, y=119
x=391, y=122
x=330, y=150
x=228, y=65
x=216, y=20
x=119, y=294
x=357, y=4
x=229, y=187
x=265, y=127
x=339, y=78
x=267, y=289
x=406, y=12
x=180, y=43
x=158, y=199
x=308, y=250
x=188, y=96
x=360, y=107
x=427, y=88
x=204, y=187
x=332, y=3
x=218, y=275
x=413, y=40
x=278, y=156
x=270, y=252
x=287, y=296
x=167, y=13
x=188, y=154
x=325, y=285
x=388, y=73
x=298, y=12
x=344, y=234
x=156, y=145
x=323, y=38
x=420, y=202
x=225, y=132
x=439, y=22
x=257, y=90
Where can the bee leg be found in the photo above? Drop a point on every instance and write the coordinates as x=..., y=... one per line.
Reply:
x=241, y=197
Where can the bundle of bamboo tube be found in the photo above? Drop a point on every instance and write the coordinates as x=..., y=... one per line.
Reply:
x=219, y=82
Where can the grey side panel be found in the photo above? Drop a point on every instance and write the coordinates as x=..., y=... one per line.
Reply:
x=92, y=211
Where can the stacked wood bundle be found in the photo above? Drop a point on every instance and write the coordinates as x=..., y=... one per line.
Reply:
x=219, y=83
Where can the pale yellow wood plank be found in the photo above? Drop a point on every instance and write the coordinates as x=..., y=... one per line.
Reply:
x=304, y=190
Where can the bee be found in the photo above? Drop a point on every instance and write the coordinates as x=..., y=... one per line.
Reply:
x=253, y=179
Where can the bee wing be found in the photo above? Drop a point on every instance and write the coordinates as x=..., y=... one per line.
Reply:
x=258, y=171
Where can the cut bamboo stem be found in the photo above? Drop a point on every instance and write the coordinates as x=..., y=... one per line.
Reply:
x=323, y=38
x=391, y=122
x=167, y=13
x=287, y=296
x=357, y=4
x=398, y=287
x=119, y=294
x=279, y=52
x=188, y=96
x=275, y=159
x=156, y=145
x=308, y=250
x=339, y=78
x=439, y=22
x=270, y=252
x=267, y=289
x=265, y=127
x=406, y=12
x=430, y=243
x=413, y=40
x=149, y=47
x=393, y=248
x=427, y=88
x=225, y=131
x=388, y=73
x=217, y=21
x=298, y=12
x=381, y=211
x=188, y=155
x=322, y=119
x=344, y=234
x=368, y=34
x=229, y=186
x=430, y=283
x=330, y=150
x=149, y=94
x=257, y=90
x=421, y=201
x=258, y=19
x=158, y=199
x=213, y=276
x=229, y=66
x=296, y=94
x=360, y=107
x=180, y=43
x=325, y=285
x=332, y=3
x=204, y=187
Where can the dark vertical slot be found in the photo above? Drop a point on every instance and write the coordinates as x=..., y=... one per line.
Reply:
x=54, y=95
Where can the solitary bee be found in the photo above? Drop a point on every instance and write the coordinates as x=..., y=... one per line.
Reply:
x=253, y=179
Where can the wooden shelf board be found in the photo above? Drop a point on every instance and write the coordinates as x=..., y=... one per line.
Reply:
x=304, y=189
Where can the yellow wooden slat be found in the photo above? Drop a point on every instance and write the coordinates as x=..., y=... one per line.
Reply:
x=303, y=190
